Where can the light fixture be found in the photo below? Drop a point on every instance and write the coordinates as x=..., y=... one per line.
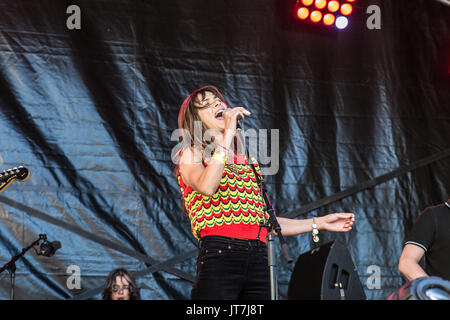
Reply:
x=341, y=22
x=328, y=12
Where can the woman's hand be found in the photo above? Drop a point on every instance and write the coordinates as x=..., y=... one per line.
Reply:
x=230, y=117
x=338, y=222
x=225, y=139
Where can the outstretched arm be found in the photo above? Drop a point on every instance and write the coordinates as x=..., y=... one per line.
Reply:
x=337, y=222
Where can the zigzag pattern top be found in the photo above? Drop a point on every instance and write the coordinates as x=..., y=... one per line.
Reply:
x=235, y=210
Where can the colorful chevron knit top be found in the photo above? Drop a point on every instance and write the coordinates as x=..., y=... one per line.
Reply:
x=235, y=210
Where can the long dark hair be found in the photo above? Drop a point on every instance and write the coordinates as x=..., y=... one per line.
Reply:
x=111, y=281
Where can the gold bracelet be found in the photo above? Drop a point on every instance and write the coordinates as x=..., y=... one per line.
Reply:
x=315, y=231
x=220, y=156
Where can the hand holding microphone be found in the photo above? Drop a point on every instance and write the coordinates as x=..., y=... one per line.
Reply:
x=233, y=117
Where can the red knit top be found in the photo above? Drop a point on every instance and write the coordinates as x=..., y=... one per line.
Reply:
x=235, y=210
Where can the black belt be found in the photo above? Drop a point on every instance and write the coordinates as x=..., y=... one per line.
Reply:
x=236, y=241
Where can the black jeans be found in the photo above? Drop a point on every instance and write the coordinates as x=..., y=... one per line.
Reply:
x=231, y=269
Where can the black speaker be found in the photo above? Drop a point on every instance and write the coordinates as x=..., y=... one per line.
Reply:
x=325, y=273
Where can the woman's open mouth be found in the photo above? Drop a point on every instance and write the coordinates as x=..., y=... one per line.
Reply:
x=219, y=114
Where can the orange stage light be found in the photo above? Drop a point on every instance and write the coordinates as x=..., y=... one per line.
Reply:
x=320, y=4
x=316, y=16
x=303, y=13
x=328, y=19
x=333, y=6
x=346, y=9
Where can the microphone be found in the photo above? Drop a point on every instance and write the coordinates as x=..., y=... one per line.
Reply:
x=239, y=118
x=48, y=249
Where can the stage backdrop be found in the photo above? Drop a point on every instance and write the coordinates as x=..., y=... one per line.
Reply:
x=89, y=96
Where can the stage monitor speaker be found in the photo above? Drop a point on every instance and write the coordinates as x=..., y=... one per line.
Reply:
x=325, y=273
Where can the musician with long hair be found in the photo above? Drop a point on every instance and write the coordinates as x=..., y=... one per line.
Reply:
x=120, y=285
x=222, y=198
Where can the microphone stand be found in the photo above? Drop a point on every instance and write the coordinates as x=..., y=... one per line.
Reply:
x=271, y=226
x=11, y=265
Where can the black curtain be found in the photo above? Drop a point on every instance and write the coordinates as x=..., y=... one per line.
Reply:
x=91, y=112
